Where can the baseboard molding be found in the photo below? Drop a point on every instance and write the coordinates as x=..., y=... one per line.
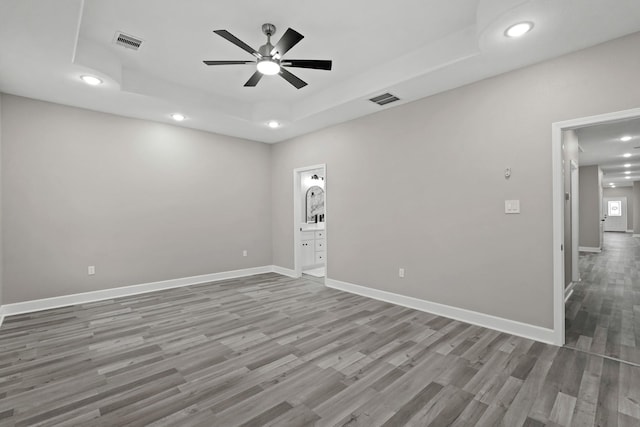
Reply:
x=87, y=297
x=284, y=271
x=568, y=291
x=590, y=249
x=629, y=231
x=513, y=327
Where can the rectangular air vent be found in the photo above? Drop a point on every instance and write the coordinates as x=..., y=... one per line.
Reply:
x=127, y=41
x=384, y=99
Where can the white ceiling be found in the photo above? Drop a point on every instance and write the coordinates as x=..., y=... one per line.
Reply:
x=601, y=145
x=411, y=48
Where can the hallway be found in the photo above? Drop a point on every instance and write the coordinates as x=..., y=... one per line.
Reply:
x=603, y=313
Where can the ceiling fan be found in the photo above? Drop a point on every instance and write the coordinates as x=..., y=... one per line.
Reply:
x=269, y=59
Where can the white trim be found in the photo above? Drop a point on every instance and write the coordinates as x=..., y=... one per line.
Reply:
x=86, y=297
x=513, y=327
x=284, y=271
x=569, y=291
x=558, y=207
x=567, y=296
x=629, y=231
x=558, y=234
x=575, y=220
x=590, y=249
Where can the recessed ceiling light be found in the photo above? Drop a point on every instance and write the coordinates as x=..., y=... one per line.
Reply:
x=627, y=165
x=91, y=80
x=518, y=30
x=177, y=117
x=626, y=155
x=625, y=138
x=273, y=124
x=627, y=172
x=627, y=177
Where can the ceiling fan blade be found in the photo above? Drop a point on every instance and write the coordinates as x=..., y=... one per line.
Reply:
x=228, y=62
x=254, y=79
x=242, y=45
x=291, y=78
x=316, y=64
x=289, y=39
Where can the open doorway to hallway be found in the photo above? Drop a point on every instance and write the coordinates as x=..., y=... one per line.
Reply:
x=602, y=303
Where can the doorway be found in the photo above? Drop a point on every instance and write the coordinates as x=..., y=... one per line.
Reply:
x=310, y=221
x=615, y=214
x=597, y=315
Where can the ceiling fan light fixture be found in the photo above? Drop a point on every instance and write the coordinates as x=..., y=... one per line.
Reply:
x=268, y=67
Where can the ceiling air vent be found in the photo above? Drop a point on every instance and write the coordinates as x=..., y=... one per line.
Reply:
x=384, y=99
x=127, y=41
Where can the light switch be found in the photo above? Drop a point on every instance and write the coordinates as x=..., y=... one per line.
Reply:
x=512, y=206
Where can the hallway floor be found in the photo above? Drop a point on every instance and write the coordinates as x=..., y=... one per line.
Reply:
x=603, y=313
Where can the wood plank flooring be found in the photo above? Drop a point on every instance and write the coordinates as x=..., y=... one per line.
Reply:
x=603, y=313
x=273, y=351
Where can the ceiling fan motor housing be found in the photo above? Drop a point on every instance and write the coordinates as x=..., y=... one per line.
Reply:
x=265, y=50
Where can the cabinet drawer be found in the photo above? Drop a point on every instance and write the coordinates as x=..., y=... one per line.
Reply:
x=320, y=234
x=307, y=235
x=320, y=245
x=308, y=243
x=319, y=257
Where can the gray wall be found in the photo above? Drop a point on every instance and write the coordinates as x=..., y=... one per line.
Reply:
x=590, y=206
x=142, y=201
x=390, y=176
x=570, y=152
x=622, y=192
x=636, y=207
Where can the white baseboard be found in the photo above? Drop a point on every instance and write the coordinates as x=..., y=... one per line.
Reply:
x=284, y=271
x=629, y=231
x=568, y=291
x=589, y=249
x=513, y=327
x=86, y=297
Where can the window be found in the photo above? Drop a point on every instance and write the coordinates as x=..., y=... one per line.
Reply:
x=614, y=207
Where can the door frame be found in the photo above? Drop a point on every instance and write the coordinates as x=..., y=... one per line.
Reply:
x=297, y=208
x=575, y=221
x=558, y=207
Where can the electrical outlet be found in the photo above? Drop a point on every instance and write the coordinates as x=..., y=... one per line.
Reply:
x=244, y=253
x=401, y=272
x=91, y=270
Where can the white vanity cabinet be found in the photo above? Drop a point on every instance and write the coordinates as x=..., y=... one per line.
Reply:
x=313, y=252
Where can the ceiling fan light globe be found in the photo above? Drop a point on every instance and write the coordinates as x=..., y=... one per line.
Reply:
x=268, y=67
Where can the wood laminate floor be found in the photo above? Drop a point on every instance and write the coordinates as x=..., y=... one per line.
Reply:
x=603, y=313
x=273, y=351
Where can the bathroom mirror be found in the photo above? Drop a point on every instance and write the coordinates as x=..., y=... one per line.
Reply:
x=315, y=204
